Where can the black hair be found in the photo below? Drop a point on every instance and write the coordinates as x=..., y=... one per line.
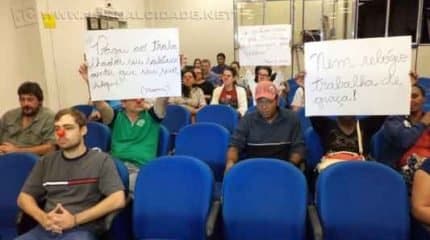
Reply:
x=267, y=68
x=186, y=91
x=235, y=62
x=423, y=92
x=220, y=55
x=31, y=88
x=230, y=69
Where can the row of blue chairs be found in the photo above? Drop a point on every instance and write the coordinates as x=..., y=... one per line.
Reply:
x=261, y=199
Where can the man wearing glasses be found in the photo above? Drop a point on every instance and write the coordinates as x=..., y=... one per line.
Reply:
x=269, y=132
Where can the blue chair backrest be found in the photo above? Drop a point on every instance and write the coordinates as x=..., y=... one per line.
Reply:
x=376, y=145
x=223, y=115
x=98, y=136
x=163, y=141
x=172, y=199
x=314, y=149
x=85, y=109
x=14, y=170
x=425, y=83
x=207, y=142
x=251, y=109
x=122, y=171
x=264, y=199
x=362, y=200
x=176, y=118
x=305, y=122
x=293, y=87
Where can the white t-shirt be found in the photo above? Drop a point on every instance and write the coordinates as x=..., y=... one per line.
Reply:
x=299, y=98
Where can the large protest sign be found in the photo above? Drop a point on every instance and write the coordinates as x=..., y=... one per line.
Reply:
x=358, y=77
x=265, y=45
x=125, y=64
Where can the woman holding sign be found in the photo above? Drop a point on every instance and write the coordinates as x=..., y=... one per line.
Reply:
x=192, y=98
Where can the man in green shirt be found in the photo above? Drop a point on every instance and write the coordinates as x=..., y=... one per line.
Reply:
x=135, y=129
x=30, y=127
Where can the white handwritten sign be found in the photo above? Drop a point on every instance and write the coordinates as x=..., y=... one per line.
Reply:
x=135, y=63
x=265, y=45
x=358, y=77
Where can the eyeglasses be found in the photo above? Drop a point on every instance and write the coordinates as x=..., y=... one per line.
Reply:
x=263, y=75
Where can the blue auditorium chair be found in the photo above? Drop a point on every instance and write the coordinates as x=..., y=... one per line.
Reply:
x=172, y=199
x=305, y=122
x=207, y=142
x=85, y=109
x=163, y=141
x=14, y=169
x=223, y=115
x=98, y=136
x=264, y=199
x=176, y=118
x=358, y=200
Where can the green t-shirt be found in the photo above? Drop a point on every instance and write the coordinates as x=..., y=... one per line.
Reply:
x=135, y=142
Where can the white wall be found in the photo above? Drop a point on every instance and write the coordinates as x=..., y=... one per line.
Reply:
x=21, y=59
x=202, y=38
x=63, y=47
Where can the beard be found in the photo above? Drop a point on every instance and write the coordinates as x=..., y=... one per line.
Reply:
x=29, y=111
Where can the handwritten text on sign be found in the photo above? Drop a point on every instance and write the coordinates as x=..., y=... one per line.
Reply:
x=358, y=77
x=125, y=64
x=265, y=45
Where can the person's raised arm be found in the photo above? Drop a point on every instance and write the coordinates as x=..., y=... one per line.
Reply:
x=103, y=107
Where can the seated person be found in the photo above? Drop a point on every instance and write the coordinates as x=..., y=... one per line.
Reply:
x=407, y=136
x=29, y=128
x=204, y=85
x=80, y=186
x=229, y=93
x=135, y=129
x=421, y=195
x=192, y=98
x=341, y=134
x=299, y=96
x=208, y=75
x=270, y=131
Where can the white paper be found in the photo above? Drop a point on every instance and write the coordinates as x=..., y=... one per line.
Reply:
x=265, y=45
x=135, y=63
x=358, y=77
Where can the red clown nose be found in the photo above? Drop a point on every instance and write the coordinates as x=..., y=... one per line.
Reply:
x=60, y=133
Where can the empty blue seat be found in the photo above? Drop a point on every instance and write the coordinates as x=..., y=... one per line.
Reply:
x=85, y=109
x=264, y=199
x=14, y=169
x=172, y=199
x=98, y=136
x=362, y=200
x=223, y=115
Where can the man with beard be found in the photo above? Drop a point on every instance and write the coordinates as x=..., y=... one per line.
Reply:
x=30, y=127
x=79, y=186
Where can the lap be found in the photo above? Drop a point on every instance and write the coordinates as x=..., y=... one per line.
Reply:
x=40, y=233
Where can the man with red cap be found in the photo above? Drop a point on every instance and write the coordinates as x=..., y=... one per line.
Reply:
x=270, y=131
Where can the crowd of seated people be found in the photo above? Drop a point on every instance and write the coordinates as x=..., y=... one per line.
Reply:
x=270, y=131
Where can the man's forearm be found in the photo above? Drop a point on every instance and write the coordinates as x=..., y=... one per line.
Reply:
x=232, y=157
x=109, y=204
x=39, y=150
x=106, y=111
x=29, y=205
x=160, y=106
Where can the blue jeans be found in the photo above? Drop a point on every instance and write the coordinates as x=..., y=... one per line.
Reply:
x=38, y=233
